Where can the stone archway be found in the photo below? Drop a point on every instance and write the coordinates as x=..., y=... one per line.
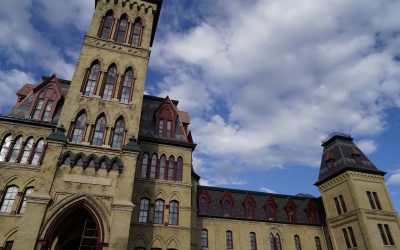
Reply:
x=79, y=227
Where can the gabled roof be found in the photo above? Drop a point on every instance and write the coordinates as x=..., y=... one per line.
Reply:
x=342, y=154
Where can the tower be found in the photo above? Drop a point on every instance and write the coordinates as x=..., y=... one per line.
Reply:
x=359, y=210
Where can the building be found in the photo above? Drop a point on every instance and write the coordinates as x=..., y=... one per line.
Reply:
x=93, y=163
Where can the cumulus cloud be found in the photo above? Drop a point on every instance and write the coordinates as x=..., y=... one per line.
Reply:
x=267, y=190
x=282, y=75
x=394, y=179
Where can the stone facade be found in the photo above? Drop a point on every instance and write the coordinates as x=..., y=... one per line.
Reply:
x=93, y=163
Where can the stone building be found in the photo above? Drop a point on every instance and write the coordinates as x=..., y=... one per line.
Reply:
x=93, y=163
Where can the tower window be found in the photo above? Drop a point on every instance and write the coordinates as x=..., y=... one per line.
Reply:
x=5, y=147
x=23, y=205
x=153, y=166
x=126, y=90
x=163, y=165
x=346, y=233
x=173, y=213
x=144, y=210
x=204, y=238
x=340, y=204
x=171, y=165
x=203, y=206
x=253, y=241
x=91, y=79
x=121, y=31
x=318, y=243
x=227, y=208
x=386, y=235
x=119, y=133
x=145, y=161
x=9, y=199
x=297, y=242
x=99, y=131
x=136, y=33
x=229, y=240
x=159, y=212
x=376, y=199
x=179, y=169
x=79, y=128
x=108, y=90
x=107, y=23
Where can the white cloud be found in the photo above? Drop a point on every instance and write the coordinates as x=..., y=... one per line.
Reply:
x=394, y=179
x=282, y=75
x=267, y=190
x=10, y=82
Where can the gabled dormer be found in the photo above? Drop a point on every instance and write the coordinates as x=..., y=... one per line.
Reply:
x=165, y=116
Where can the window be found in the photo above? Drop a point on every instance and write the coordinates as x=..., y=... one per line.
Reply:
x=38, y=153
x=310, y=212
x=145, y=162
x=203, y=206
x=275, y=242
x=92, y=76
x=179, y=169
x=144, y=210
x=126, y=90
x=9, y=199
x=16, y=149
x=340, y=205
x=136, y=33
x=110, y=78
x=79, y=128
x=297, y=242
x=346, y=233
x=5, y=147
x=171, y=165
x=160, y=128
x=371, y=202
x=121, y=31
x=163, y=165
x=229, y=240
x=227, y=208
x=153, y=166
x=159, y=212
x=386, y=235
x=253, y=241
x=99, y=130
x=9, y=245
x=291, y=211
x=27, y=151
x=168, y=130
x=173, y=213
x=47, y=111
x=374, y=200
x=204, y=238
x=270, y=209
x=119, y=132
x=45, y=104
x=318, y=243
x=107, y=23
x=248, y=208
x=23, y=205
x=338, y=209
x=38, y=109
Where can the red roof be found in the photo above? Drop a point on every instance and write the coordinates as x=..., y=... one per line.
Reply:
x=25, y=90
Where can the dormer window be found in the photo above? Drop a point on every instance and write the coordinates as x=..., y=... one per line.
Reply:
x=330, y=160
x=136, y=33
x=121, y=31
x=291, y=211
x=45, y=105
x=270, y=209
x=249, y=205
x=311, y=212
x=106, y=25
x=226, y=204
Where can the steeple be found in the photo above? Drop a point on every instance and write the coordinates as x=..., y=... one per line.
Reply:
x=341, y=154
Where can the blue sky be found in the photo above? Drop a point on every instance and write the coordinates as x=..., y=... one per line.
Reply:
x=263, y=80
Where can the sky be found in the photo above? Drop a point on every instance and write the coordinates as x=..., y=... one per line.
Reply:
x=264, y=81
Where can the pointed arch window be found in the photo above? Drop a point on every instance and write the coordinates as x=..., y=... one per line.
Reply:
x=173, y=213
x=204, y=238
x=137, y=33
x=78, y=132
x=127, y=87
x=5, y=147
x=144, y=210
x=109, y=83
x=28, y=191
x=253, y=241
x=270, y=209
x=91, y=79
x=106, y=26
x=121, y=31
x=38, y=153
x=153, y=166
x=45, y=104
x=291, y=211
x=229, y=240
x=226, y=204
x=179, y=169
x=249, y=205
x=99, y=131
x=145, y=162
x=159, y=212
x=311, y=212
x=119, y=133
x=27, y=151
x=9, y=199
x=163, y=166
x=204, y=202
x=297, y=242
x=275, y=242
x=171, y=165
x=318, y=243
x=16, y=149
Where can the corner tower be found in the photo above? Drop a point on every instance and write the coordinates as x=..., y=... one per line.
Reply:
x=359, y=210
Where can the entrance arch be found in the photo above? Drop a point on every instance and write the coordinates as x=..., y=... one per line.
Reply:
x=78, y=227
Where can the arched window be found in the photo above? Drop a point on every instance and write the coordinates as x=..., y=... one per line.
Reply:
x=27, y=151
x=45, y=104
x=249, y=210
x=297, y=242
x=145, y=162
x=171, y=164
x=278, y=242
x=275, y=242
x=253, y=241
x=28, y=191
x=79, y=128
x=8, y=199
x=108, y=88
x=5, y=147
x=173, y=213
x=163, y=165
x=229, y=240
x=121, y=31
x=136, y=33
x=16, y=149
x=99, y=131
x=227, y=208
x=144, y=210
x=159, y=212
x=153, y=166
x=179, y=169
x=127, y=86
x=291, y=210
x=106, y=26
x=317, y=243
x=91, y=79
x=203, y=206
x=204, y=238
x=119, y=132
x=38, y=154
x=270, y=209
